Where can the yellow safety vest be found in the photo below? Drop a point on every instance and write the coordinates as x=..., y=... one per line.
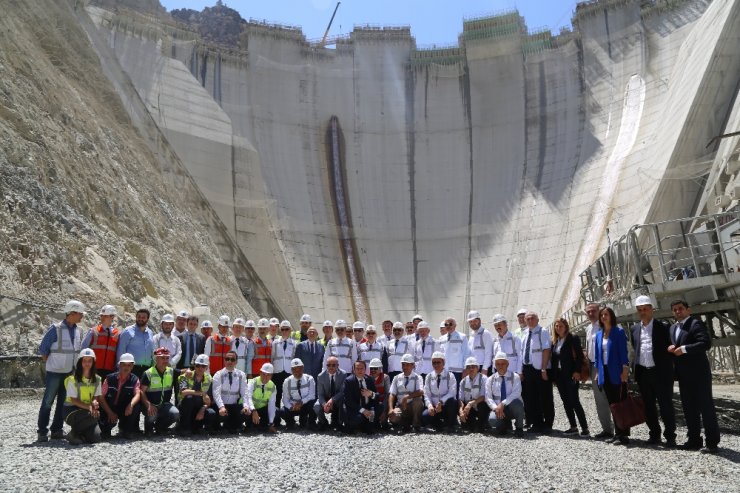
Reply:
x=85, y=389
x=261, y=398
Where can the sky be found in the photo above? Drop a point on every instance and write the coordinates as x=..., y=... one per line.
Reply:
x=433, y=22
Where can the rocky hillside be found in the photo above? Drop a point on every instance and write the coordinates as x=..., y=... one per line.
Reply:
x=86, y=213
x=218, y=24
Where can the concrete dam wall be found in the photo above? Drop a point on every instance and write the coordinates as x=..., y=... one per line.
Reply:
x=376, y=180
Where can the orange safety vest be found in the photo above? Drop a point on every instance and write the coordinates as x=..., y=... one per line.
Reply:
x=262, y=354
x=105, y=347
x=220, y=345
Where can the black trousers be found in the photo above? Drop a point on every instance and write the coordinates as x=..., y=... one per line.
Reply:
x=655, y=387
x=189, y=408
x=445, y=419
x=305, y=415
x=698, y=406
x=264, y=419
x=478, y=417
x=234, y=418
x=539, y=407
x=125, y=423
x=615, y=393
x=278, y=378
x=356, y=421
x=568, y=390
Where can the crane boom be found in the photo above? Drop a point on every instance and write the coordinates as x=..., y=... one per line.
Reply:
x=326, y=33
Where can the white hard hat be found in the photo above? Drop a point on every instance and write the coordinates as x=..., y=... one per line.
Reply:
x=472, y=315
x=127, y=358
x=168, y=318
x=522, y=311
x=224, y=320
x=438, y=355
x=471, y=361
x=274, y=321
x=249, y=324
x=422, y=325
x=108, y=310
x=328, y=323
x=500, y=356
x=305, y=317
x=370, y=328
x=643, y=300
x=263, y=323
x=182, y=314
x=239, y=321
x=398, y=325
x=417, y=316
x=340, y=323
x=74, y=306
x=202, y=359
x=206, y=324
x=285, y=323
x=296, y=362
x=498, y=318
x=267, y=368
x=376, y=363
x=358, y=325
x=442, y=324
x=407, y=358
x=87, y=352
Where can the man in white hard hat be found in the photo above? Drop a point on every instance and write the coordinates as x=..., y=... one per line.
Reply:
x=507, y=343
x=329, y=396
x=442, y=328
x=503, y=396
x=342, y=347
x=371, y=348
x=243, y=347
x=415, y=321
x=327, y=329
x=473, y=409
x=261, y=396
x=311, y=353
x=387, y=335
x=423, y=350
x=206, y=329
x=358, y=332
x=382, y=387
x=262, y=347
x=218, y=345
x=440, y=396
x=195, y=408
x=59, y=348
x=522, y=329
x=283, y=352
x=250, y=329
x=455, y=347
x=274, y=332
x=397, y=347
x=299, y=394
x=602, y=404
x=302, y=334
x=103, y=339
x=406, y=397
x=653, y=370
x=167, y=340
x=192, y=343
x=138, y=339
x=480, y=342
x=120, y=400
x=230, y=395
x=537, y=392
x=181, y=323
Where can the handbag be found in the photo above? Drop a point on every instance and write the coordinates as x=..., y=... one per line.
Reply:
x=628, y=412
x=584, y=373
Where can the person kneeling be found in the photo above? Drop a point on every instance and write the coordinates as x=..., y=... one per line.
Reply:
x=360, y=401
x=474, y=410
x=503, y=395
x=230, y=394
x=157, y=384
x=120, y=399
x=406, y=397
x=195, y=405
x=440, y=396
x=261, y=392
x=81, y=408
x=299, y=390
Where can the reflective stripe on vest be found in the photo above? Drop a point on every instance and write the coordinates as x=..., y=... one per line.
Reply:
x=297, y=385
x=401, y=388
x=479, y=337
x=509, y=383
x=224, y=376
x=336, y=344
x=105, y=347
x=204, y=385
x=262, y=393
x=220, y=345
x=63, y=354
x=468, y=388
x=159, y=383
x=444, y=380
x=85, y=390
x=262, y=354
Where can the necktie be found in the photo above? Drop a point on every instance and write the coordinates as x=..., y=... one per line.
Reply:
x=362, y=387
x=526, y=348
x=503, y=389
x=237, y=343
x=231, y=379
x=191, y=349
x=285, y=345
x=439, y=380
x=423, y=346
x=332, y=386
x=406, y=382
x=300, y=397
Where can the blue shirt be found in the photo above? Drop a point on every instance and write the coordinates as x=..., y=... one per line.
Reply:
x=139, y=344
x=50, y=338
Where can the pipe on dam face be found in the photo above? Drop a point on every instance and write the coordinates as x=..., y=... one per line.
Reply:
x=344, y=222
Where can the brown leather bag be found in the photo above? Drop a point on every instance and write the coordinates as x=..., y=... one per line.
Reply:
x=585, y=372
x=628, y=412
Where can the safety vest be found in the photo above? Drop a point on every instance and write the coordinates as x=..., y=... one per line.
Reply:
x=204, y=385
x=468, y=386
x=342, y=350
x=220, y=345
x=297, y=336
x=105, y=347
x=496, y=378
x=63, y=353
x=127, y=389
x=402, y=388
x=262, y=394
x=297, y=388
x=380, y=387
x=262, y=354
x=369, y=351
x=395, y=353
x=284, y=352
x=435, y=390
x=325, y=342
x=159, y=390
x=85, y=389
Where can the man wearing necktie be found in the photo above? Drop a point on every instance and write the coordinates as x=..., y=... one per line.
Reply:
x=283, y=351
x=329, y=394
x=230, y=394
x=192, y=342
x=360, y=401
x=503, y=396
x=440, y=396
x=311, y=352
x=299, y=391
x=690, y=342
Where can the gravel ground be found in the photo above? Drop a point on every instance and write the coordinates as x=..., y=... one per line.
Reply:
x=381, y=463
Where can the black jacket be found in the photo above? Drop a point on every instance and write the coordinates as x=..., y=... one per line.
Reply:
x=353, y=400
x=661, y=340
x=570, y=357
x=200, y=347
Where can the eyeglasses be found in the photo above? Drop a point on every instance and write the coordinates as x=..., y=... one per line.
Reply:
x=358, y=330
x=229, y=359
x=449, y=325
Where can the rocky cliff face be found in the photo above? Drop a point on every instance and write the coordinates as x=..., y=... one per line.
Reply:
x=218, y=24
x=86, y=211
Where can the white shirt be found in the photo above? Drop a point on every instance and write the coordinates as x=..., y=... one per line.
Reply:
x=558, y=347
x=403, y=385
x=470, y=390
x=225, y=392
x=481, y=346
x=447, y=388
x=493, y=389
x=283, y=353
x=396, y=349
x=646, y=345
x=173, y=345
x=270, y=403
x=241, y=352
x=591, y=341
x=344, y=349
x=367, y=351
x=298, y=390
x=512, y=346
x=539, y=342
x=384, y=339
x=456, y=349
x=423, y=350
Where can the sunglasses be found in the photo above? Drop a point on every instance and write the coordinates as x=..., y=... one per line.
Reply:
x=374, y=369
x=358, y=330
x=449, y=325
x=285, y=329
x=200, y=366
x=229, y=359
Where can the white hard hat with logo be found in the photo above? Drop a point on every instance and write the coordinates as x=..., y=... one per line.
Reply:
x=74, y=306
x=249, y=324
x=263, y=323
x=239, y=321
x=376, y=363
x=340, y=324
x=108, y=310
x=206, y=324
x=87, y=353
x=407, y=358
x=127, y=358
x=500, y=356
x=202, y=359
x=358, y=325
x=285, y=323
x=267, y=368
x=296, y=362
x=472, y=315
x=274, y=321
x=224, y=321
x=182, y=314
x=471, y=361
x=305, y=317
x=643, y=300
x=168, y=318
x=498, y=318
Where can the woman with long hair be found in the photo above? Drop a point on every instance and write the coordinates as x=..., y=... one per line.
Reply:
x=567, y=358
x=612, y=364
x=81, y=408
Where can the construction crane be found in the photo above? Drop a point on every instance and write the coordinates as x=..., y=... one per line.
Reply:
x=326, y=33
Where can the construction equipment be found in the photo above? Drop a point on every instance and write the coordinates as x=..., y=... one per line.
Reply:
x=326, y=33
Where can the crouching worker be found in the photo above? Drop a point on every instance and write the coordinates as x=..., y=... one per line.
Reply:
x=360, y=401
x=474, y=410
x=406, y=397
x=230, y=394
x=81, y=411
x=299, y=395
x=504, y=398
x=156, y=393
x=120, y=400
x=195, y=405
x=261, y=392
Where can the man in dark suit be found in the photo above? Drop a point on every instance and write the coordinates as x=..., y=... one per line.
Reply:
x=193, y=343
x=360, y=401
x=329, y=394
x=690, y=342
x=653, y=370
x=311, y=352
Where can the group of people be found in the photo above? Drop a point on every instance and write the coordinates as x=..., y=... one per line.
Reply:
x=267, y=375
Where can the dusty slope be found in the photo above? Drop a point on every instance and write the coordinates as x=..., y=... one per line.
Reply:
x=85, y=212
